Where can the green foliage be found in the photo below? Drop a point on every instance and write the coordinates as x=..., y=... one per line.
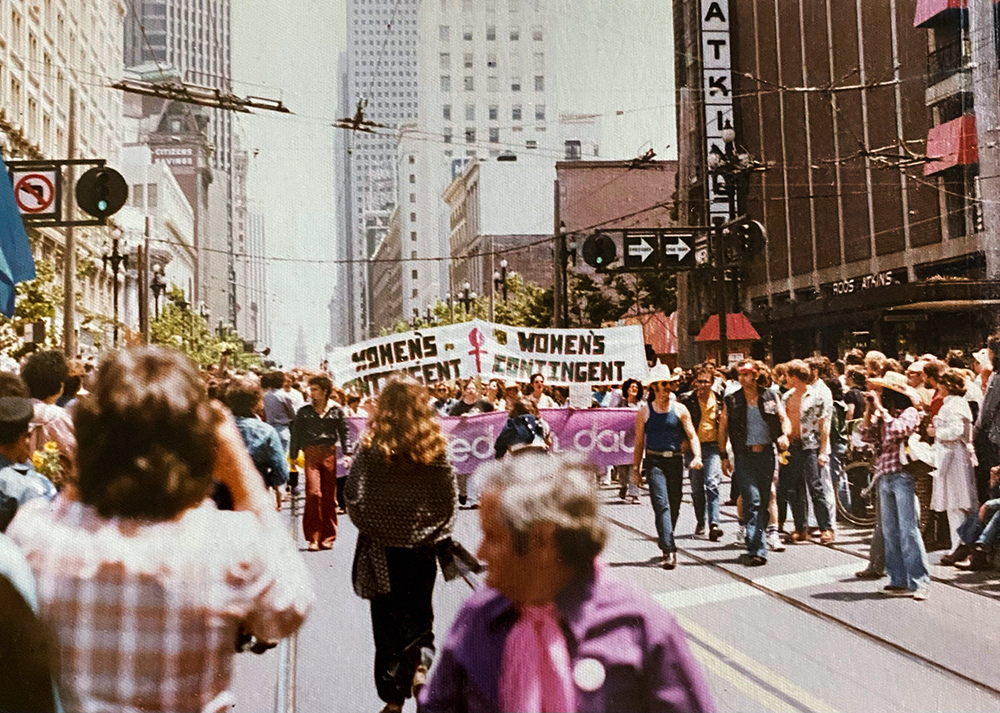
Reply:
x=527, y=305
x=36, y=301
x=181, y=328
x=602, y=298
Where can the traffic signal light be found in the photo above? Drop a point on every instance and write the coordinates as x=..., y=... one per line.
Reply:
x=101, y=192
x=599, y=250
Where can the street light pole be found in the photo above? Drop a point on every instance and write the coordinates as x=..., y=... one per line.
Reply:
x=467, y=297
x=158, y=285
x=117, y=260
x=499, y=283
x=726, y=167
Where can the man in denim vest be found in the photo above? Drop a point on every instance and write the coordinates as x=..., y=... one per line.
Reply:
x=753, y=420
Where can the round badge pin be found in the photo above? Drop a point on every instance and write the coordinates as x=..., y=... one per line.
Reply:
x=588, y=674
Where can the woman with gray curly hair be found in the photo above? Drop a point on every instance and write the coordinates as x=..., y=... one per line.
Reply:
x=547, y=596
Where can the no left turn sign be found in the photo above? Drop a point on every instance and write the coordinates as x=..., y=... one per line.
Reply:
x=35, y=193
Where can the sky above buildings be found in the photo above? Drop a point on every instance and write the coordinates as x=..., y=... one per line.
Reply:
x=613, y=57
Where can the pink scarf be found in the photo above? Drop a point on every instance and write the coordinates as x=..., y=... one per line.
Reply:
x=535, y=674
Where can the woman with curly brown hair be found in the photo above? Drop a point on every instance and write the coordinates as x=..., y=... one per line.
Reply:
x=401, y=496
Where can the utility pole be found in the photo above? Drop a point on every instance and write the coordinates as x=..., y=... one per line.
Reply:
x=69, y=251
x=985, y=86
x=144, y=285
x=559, y=278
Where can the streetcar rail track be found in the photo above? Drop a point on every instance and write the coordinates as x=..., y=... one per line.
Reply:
x=284, y=691
x=820, y=614
x=864, y=558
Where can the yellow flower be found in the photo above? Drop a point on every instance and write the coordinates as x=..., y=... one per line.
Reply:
x=52, y=447
x=37, y=460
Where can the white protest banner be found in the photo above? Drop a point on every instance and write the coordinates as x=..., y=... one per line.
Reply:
x=563, y=356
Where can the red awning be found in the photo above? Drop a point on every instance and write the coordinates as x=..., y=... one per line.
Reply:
x=953, y=143
x=928, y=10
x=738, y=328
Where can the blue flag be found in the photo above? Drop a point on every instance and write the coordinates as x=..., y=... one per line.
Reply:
x=16, y=261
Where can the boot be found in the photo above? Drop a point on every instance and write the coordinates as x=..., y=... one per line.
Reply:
x=961, y=552
x=979, y=560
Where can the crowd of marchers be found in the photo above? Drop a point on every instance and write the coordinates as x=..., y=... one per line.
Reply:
x=142, y=550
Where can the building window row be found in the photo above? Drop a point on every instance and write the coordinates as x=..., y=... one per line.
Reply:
x=444, y=33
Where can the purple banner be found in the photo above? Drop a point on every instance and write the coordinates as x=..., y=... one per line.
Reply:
x=604, y=436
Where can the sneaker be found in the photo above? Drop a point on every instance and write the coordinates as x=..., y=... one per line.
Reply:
x=741, y=536
x=748, y=560
x=699, y=530
x=774, y=542
x=715, y=533
x=313, y=547
x=921, y=594
x=896, y=590
x=669, y=560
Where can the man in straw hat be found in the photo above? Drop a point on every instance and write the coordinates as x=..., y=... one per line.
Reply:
x=891, y=416
x=660, y=430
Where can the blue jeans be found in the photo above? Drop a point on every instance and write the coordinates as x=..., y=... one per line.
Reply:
x=665, y=477
x=905, y=557
x=803, y=477
x=992, y=524
x=705, y=484
x=754, y=473
x=285, y=434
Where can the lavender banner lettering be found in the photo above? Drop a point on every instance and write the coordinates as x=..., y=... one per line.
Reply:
x=603, y=436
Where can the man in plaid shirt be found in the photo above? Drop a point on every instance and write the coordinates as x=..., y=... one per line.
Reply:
x=143, y=583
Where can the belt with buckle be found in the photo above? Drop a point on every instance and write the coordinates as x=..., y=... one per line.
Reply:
x=758, y=448
x=663, y=454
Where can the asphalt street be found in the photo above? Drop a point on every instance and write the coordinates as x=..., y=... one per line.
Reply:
x=799, y=634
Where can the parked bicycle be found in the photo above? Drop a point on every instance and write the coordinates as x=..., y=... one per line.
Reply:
x=854, y=494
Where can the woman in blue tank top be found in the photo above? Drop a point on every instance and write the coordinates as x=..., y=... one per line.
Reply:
x=661, y=426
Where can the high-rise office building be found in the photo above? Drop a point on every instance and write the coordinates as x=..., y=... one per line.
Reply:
x=487, y=87
x=193, y=37
x=380, y=68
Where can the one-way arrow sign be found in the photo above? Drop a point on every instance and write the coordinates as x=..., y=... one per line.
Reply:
x=657, y=249
x=638, y=248
x=642, y=250
x=677, y=251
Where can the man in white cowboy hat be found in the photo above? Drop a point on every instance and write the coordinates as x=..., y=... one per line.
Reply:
x=891, y=416
x=660, y=429
x=754, y=421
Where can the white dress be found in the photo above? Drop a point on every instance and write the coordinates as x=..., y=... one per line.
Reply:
x=954, y=482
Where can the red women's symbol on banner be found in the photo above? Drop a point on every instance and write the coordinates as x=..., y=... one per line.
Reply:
x=478, y=340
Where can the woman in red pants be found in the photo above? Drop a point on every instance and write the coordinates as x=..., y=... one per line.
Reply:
x=315, y=431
